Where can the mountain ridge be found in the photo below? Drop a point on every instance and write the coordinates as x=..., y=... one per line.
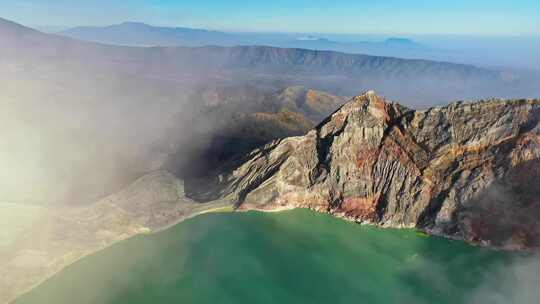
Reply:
x=465, y=171
x=136, y=33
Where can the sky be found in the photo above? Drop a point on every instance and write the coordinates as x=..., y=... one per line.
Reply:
x=469, y=17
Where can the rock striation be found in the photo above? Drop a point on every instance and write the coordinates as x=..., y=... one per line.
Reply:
x=467, y=170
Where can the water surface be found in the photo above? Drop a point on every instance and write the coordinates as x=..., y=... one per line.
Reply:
x=291, y=257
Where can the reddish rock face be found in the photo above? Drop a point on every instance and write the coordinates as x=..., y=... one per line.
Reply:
x=363, y=208
x=467, y=170
x=366, y=158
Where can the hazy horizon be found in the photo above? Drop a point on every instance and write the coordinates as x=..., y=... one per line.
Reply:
x=353, y=36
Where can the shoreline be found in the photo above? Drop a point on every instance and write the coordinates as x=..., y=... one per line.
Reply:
x=230, y=208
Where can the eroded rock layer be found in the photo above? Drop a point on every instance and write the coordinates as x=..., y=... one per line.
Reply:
x=467, y=170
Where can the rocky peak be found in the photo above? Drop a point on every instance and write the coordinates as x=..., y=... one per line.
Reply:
x=374, y=161
x=368, y=112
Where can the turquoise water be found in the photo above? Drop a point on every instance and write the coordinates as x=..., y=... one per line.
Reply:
x=290, y=257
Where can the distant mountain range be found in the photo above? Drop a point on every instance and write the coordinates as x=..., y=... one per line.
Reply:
x=390, y=46
x=507, y=52
x=140, y=34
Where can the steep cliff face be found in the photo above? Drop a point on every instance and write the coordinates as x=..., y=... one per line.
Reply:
x=467, y=170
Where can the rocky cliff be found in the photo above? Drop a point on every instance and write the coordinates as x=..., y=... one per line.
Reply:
x=467, y=170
